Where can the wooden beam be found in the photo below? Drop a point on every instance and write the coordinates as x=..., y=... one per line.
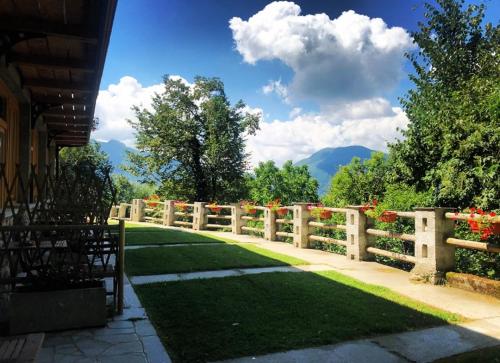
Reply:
x=66, y=113
x=52, y=63
x=58, y=85
x=38, y=26
x=63, y=100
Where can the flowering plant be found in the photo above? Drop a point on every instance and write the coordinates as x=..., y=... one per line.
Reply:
x=180, y=206
x=248, y=207
x=319, y=211
x=153, y=200
x=275, y=206
x=378, y=212
x=482, y=222
x=214, y=207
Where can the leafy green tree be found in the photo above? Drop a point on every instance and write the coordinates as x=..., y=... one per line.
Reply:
x=359, y=181
x=127, y=190
x=88, y=154
x=290, y=183
x=193, y=141
x=451, y=143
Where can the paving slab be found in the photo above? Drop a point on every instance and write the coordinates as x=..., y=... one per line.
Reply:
x=140, y=280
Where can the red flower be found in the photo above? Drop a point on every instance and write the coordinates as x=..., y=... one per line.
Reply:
x=492, y=214
x=375, y=201
x=480, y=211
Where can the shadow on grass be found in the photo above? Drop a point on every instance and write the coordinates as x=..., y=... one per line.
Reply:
x=158, y=260
x=206, y=320
x=137, y=234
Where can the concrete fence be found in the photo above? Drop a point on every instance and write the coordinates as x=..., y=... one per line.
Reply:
x=433, y=238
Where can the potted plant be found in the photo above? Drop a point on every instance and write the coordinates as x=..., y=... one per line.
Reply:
x=180, y=206
x=214, y=208
x=153, y=200
x=276, y=207
x=248, y=207
x=379, y=213
x=320, y=212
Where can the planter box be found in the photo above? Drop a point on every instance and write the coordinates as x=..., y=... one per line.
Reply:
x=57, y=310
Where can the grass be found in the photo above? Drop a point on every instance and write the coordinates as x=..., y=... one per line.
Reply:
x=205, y=320
x=139, y=234
x=157, y=260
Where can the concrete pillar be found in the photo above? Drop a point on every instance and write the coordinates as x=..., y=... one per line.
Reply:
x=199, y=216
x=269, y=225
x=433, y=256
x=357, y=239
x=236, y=221
x=113, y=212
x=169, y=213
x=122, y=210
x=137, y=214
x=301, y=217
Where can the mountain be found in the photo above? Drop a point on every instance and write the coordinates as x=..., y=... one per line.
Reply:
x=324, y=164
x=117, y=152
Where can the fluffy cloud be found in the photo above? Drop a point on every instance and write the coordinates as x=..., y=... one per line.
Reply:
x=113, y=108
x=277, y=87
x=350, y=124
x=350, y=57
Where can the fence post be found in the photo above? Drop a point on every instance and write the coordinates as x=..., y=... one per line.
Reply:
x=138, y=206
x=236, y=221
x=169, y=213
x=121, y=267
x=199, y=216
x=433, y=256
x=122, y=210
x=301, y=217
x=357, y=239
x=269, y=224
x=113, y=212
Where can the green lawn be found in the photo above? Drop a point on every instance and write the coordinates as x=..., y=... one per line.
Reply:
x=139, y=234
x=205, y=320
x=158, y=260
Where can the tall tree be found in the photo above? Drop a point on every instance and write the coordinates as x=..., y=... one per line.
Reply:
x=290, y=184
x=451, y=143
x=88, y=154
x=193, y=141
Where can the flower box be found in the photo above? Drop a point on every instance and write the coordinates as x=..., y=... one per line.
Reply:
x=215, y=209
x=388, y=217
x=281, y=211
x=325, y=214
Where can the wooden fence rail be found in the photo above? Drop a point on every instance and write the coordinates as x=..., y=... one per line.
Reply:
x=433, y=240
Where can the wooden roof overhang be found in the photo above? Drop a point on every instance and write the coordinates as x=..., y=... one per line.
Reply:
x=59, y=48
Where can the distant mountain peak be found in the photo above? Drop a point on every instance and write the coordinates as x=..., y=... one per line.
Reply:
x=325, y=163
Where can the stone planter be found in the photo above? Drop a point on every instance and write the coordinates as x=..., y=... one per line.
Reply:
x=57, y=310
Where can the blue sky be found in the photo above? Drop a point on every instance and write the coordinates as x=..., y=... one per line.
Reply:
x=188, y=38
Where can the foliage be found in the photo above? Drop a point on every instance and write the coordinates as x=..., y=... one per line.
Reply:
x=127, y=190
x=358, y=181
x=290, y=184
x=451, y=144
x=90, y=154
x=192, y=142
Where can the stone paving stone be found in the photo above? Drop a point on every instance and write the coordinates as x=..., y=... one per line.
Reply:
x=120, y=324
x=155, y=350
x=124, y=348
x=126, y=358
x=46, y=355
x=118, y=338
x=144, y=328
x=106, y=331
x=91, y=347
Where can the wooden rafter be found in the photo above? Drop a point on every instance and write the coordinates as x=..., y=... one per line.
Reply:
x=52, y=63
x=37, y=26
x=68, y=113
x=58, y=85
x=63, y=100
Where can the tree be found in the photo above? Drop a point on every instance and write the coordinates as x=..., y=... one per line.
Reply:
x=290, y=184
x=88, y=154
x=451, y=143
x=127, y=190
x=193, y=140
x=359, y=181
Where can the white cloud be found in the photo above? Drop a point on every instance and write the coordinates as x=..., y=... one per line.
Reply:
x=278, y=88
x=350, y=57
x=295, y=112
x=346, y=125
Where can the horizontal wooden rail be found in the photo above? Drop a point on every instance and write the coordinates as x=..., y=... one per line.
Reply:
x=473, y=245
x=252, y=229
x=153, y=218
x=213, y=225
x=389, y=234
x=466, y=216
x=404, y=214
x=327, y=226
x=149, y=210
x=323, y=239
x=219, y=206
x=255, y=219
x=215, y=216
x=182, y=223
x=394, y=255
x=183, y=214
x=336, y=210
x=154, y=202
x=284, y=234
x=284, y=221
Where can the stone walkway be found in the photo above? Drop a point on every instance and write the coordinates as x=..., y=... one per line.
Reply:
x=128, y=338
x=421, y=346
x=139, y=280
